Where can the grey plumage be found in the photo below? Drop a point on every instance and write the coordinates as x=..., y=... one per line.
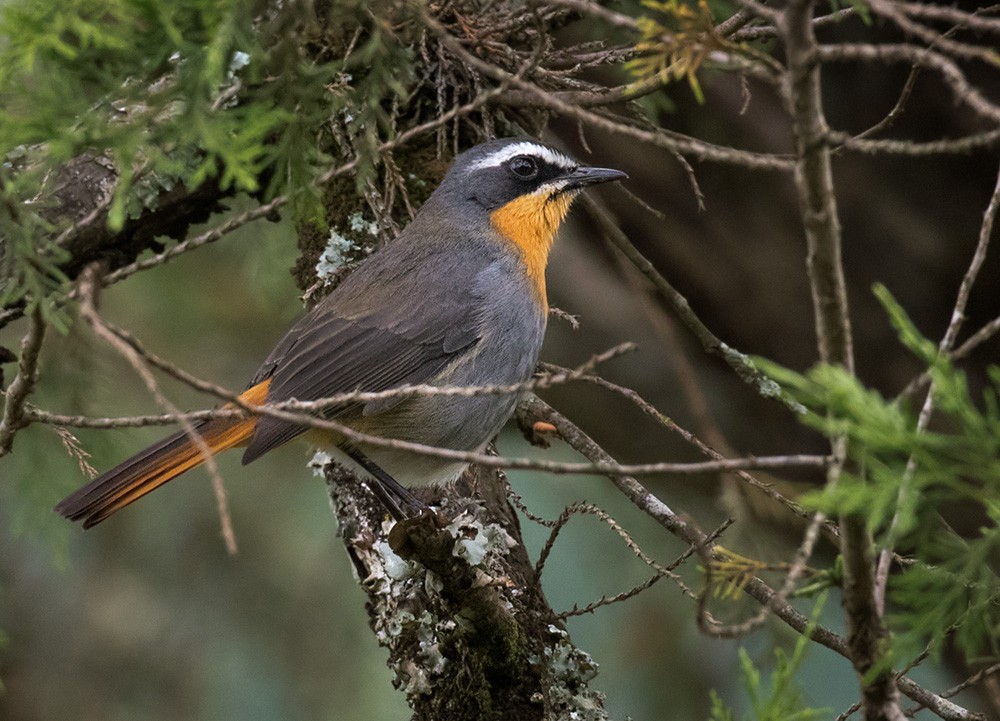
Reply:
x=457, y=299
x=446, y=303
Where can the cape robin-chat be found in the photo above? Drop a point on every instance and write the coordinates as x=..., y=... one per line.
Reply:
x=458, y=299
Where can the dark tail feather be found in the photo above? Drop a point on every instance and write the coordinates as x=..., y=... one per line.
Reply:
x=151, y=468
x=148, y=470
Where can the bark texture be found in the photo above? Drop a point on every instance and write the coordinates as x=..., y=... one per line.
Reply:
x=454, y=598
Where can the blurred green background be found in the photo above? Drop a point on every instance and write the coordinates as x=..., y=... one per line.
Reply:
x=146, y=618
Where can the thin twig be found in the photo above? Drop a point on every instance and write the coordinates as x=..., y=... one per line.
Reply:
x=948, y=146
x=927, y=410
x=953, y=15
x=911, y=80
x=890, y=11
x=624, y=595
x=16, y=395
x=764, y=32
x=866, y=630
x=607, y=519
x=560, y=468
x=698, y=149
x=88, y=288
x=669, y=423
x=946, y=68
x=971, y=343
x=972, y=680
x=659, y=511
x=209, y=236
x=897, y=110
x=739, y=362
x=296, y=412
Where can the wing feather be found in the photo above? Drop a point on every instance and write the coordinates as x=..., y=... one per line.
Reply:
x=400, y=318
x=346, y=356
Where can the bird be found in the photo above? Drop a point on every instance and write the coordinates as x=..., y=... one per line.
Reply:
x=457, y=299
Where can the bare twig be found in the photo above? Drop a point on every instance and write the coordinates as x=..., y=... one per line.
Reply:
x=16, y=395
x=651, y=411
x=739, y=362
x=647, y=502
x=298, y=412
x=866, y=631
x=948, y=70
x=957, y=146
x=971, y=681
x=927, y=410
x=978, y=257
x=275, y=411
x=209, y=236
x=606, y=15
x=961, y=19
x=957, y=17
x=695, y=148
x=890, y=11
x=897, y=110
x=972, y=342
x=617, y=598
x=606, y=518
x=763, y=32
x=88, y=311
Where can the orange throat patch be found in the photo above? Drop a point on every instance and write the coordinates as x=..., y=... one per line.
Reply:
x=530, y=222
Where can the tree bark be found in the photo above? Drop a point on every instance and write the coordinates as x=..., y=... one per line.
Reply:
x=454, y=598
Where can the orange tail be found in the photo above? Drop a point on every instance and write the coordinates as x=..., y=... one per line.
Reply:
x=151, y=468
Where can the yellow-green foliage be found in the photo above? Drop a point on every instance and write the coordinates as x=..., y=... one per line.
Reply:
x=675, y=41
x=951, y=588
x=180, y=93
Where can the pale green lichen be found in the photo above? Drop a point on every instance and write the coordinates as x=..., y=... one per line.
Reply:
x=568, y=671
x=346, y=245
x=767, y=387
x=476, y=541
x=360, y=225
x=397, y=568
x=319, y=462
x=334, y=255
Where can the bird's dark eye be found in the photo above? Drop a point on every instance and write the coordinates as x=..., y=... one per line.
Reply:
x=523, y=167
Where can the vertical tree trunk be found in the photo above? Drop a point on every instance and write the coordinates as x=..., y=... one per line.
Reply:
x=453, y=596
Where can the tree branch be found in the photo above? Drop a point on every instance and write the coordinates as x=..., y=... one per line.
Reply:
x=16, y=395
x=534, y=408
x=454, y=598
x=926, y=411
x=866, y=631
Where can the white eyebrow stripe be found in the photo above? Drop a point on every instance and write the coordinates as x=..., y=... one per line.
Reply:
x=526, y=147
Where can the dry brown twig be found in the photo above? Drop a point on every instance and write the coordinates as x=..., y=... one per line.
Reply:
x=866, y=629
x=691, y=438
x=89, y=284
x=890, y=11
x=300, y=412
x=685, y=145
x=582, y=508
x=16, y=394
x=648, y=503
x=926, y=411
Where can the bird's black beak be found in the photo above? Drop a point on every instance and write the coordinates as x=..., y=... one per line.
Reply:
x=583, y=176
